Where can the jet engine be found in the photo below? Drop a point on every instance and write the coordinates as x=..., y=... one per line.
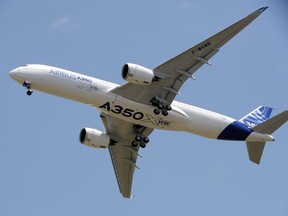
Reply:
x=137, y=74
x=94, y=138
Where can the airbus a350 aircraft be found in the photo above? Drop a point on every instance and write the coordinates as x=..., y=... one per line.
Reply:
x=130, y=112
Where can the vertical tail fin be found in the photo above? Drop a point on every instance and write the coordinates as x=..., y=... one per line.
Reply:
x=252, y=120
x=257, y=116
x=255, y=151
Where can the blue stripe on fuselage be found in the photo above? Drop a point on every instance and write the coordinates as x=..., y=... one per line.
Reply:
x=235, y=131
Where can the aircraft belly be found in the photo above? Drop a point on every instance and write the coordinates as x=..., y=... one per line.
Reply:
x=179, y=119
x=204, y=122
x=209, y=127
x=142, y=114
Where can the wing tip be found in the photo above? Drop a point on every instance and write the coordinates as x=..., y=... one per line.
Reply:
x=262, y=9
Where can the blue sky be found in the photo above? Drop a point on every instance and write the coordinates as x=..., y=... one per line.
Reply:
x=46, y=171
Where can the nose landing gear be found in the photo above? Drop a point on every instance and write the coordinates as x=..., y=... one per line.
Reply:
x=27, y=85
x=29, y=92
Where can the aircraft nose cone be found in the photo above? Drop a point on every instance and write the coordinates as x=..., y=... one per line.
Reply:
x=13, y=73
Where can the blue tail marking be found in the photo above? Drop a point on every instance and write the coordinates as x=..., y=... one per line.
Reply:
x=257, y=116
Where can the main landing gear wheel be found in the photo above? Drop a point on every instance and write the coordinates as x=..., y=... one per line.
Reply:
x=146, y=140
x=162, y=107
x=164, y=112
x=134, y=143
x=138, y=138
x=168, y=107
x=141, y=141
x=156, y=111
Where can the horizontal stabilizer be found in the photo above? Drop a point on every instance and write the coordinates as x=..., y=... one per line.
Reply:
x=271, y=125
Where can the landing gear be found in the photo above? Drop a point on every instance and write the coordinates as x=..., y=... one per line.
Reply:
x=139, y=139
x=168, y=107
x=164, y=112
x=134, y=143
x=146, y=139
x=27, y=84
x=156, y=111
x=29, y=92
x=161, y=107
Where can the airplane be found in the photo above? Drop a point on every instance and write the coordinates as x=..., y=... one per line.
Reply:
x=130, y=112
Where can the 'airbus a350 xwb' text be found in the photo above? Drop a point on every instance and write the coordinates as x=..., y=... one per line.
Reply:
x=130, y=112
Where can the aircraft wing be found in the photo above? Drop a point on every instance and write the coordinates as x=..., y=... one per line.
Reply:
x=176, y=71
x=123, y=154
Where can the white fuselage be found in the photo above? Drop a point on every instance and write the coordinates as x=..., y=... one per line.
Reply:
x=96, y=92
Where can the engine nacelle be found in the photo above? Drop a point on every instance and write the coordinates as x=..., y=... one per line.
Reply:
x=137, y=74
x=94, y=138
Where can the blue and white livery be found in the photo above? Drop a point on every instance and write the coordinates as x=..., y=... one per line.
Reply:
x=257, y=116
x=130, y=112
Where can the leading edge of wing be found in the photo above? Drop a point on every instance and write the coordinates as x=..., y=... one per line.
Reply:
x=203, y=51
x=178, y=69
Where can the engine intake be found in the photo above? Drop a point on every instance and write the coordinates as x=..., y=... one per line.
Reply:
x=94, y=138
x=137, y=74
